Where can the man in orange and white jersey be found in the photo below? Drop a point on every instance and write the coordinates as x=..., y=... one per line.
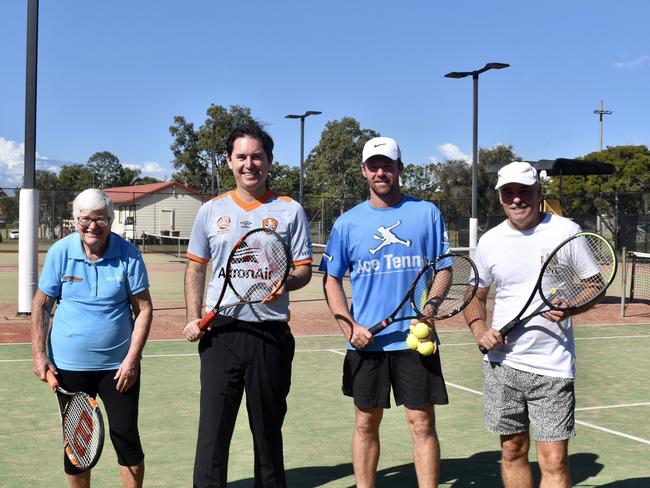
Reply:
x=250, y=347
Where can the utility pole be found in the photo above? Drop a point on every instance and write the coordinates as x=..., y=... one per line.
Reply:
x=600, y=113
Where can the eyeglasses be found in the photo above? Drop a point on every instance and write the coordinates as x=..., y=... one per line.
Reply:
x=86, y=221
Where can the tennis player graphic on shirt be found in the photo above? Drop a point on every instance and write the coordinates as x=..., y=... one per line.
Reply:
x=387, y=237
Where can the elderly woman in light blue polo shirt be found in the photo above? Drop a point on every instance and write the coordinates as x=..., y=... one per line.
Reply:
x=103, y=315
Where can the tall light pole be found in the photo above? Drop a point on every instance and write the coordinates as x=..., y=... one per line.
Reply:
x=602, y=112
x=302, y=145
x=213, y=157
x=473, y=221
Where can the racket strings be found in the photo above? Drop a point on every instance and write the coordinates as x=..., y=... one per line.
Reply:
x=83, y=432
x=258, y=264
x=579, y=272
x=443, y=294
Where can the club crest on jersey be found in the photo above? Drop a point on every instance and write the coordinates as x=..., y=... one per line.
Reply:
x=270, y=223
x=223, y=223
x=388, y=237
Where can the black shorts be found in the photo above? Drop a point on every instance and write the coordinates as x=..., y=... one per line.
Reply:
x=416, y=380
x=121, y=412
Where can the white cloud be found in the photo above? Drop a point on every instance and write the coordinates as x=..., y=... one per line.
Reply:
x=634, y=63
x=453, y=152
x=12, y=158
x=148, y=168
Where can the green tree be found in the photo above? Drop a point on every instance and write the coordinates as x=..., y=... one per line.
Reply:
x=9, y=208
x=420, y=181
x=145, y=180
x=75, y=177
x=617, y=199
x=106, y=169
x=285, y=180
x=333, y=167
x=196, y=151
x=487, y=198
x=49, y=205
x=129, y=177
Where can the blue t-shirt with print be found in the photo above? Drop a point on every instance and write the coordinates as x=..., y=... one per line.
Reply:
x=93, y=321
x=383, y=249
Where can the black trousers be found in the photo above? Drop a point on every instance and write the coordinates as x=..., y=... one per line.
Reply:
x=237, y=357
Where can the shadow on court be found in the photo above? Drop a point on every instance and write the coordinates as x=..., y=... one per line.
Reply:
x=481, y=470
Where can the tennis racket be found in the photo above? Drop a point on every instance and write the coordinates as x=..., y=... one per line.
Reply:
x=83, y=425
x=441, y=289
x=576, y=274
x=257, y=265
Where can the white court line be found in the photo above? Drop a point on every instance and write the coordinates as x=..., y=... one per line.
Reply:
x=582, y=409
x=464, y=388
x=187, y=354
x=615, y=432
x=642, y=336
x=579, y=422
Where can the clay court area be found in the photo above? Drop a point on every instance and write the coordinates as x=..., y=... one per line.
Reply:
x=312, y=317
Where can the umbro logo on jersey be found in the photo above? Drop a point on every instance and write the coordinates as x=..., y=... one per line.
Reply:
x=246, y=224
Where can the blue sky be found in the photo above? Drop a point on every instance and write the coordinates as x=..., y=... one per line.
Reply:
x=112, y=74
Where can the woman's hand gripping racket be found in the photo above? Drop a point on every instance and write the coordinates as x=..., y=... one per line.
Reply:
x=258, y=266
x=576, y=274
x=441, y=289
x=83, y=425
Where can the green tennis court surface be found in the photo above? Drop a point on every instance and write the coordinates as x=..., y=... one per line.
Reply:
x=611, y=449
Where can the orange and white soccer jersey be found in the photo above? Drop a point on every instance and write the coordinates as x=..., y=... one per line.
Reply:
x=223, y=220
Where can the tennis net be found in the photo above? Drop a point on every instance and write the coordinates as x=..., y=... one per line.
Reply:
x=640, y=276
x=159, y=243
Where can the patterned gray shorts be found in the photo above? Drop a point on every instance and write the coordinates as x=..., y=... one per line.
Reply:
x=513, y=400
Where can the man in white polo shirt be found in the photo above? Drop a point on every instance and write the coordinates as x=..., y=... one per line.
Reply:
x=528, y=378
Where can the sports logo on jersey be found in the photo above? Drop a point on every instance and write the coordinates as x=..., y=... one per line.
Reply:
x=388, y=237
x=270, y=223
x=223, y=222
x=246, y=224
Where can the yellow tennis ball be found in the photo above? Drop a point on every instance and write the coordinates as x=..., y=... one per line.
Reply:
x=412, y=324
x=427, y=348
x=421, y=330
x=553, y=291
x=412, y=342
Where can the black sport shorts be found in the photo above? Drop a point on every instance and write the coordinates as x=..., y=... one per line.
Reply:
x=416, y=380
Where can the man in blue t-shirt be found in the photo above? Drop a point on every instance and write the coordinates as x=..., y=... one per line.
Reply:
x=383, y=243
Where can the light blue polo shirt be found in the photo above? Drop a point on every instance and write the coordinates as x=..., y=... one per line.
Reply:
x=383, y=249
x=93, y=321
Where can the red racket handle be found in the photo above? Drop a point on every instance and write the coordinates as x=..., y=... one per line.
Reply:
x=205, y=321
x=51, y=379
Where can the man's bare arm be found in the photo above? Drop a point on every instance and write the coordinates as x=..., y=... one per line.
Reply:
x=356, y=334
x=195, y=273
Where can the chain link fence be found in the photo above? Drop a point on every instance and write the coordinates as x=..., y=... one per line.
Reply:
x=627, y=225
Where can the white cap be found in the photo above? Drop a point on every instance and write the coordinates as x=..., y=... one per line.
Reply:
x=381, y=146
x=517, y=172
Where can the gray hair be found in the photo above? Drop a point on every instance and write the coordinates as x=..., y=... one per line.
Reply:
x=92, y=200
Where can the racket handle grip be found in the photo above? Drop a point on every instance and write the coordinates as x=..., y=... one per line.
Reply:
x=205, y=321
x=482, y=349
x=51, y=379
x=379, y=327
